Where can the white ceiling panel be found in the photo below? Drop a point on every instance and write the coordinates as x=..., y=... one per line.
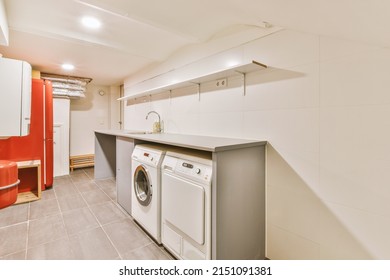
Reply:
x=137, y=33
x=107, y=66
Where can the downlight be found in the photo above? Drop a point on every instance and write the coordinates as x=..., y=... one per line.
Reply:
x=91, y=22
x=67, y=66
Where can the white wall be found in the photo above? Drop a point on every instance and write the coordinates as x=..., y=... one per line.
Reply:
x=324, y=109
x=114, y=113
x=89, y=114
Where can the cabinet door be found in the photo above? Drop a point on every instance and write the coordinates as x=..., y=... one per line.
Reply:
x=124, y=149
x=15, y=96
x=26, y=98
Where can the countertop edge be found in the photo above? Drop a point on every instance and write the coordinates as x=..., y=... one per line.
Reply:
x=150, y=137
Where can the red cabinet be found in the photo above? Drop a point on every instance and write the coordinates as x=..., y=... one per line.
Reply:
x=38, y=144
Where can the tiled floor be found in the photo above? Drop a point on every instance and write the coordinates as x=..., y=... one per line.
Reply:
x=77, y=219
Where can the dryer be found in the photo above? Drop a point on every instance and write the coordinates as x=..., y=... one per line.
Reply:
x=146, y=189
x=186, y=204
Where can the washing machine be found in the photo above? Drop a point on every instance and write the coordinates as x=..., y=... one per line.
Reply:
x=146, y=188
x=186, y=204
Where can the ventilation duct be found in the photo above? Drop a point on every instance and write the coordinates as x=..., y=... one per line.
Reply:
x=67, y=86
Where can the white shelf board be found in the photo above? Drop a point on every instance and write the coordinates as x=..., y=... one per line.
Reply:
x=233, y=71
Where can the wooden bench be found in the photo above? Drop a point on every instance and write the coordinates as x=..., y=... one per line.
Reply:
x=81, y=161
x=29, y=173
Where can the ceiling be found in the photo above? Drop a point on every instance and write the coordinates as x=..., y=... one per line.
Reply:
x=138, y=33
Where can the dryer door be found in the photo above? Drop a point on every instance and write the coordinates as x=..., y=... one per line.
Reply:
x=142, y=186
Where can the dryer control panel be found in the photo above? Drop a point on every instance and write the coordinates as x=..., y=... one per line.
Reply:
x=192, y=170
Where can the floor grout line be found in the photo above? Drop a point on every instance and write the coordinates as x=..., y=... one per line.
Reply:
x=28, y=229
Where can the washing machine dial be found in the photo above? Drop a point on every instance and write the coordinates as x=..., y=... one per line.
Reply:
x=197, y=171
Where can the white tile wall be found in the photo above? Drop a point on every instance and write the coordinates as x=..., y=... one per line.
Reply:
x=355, y=157
x=91, y=112
x=324, y=108
x=295, y=87
x=294, y=134
x=284, y=49
x=359, y=80
x=285, y=245
x=348, y=233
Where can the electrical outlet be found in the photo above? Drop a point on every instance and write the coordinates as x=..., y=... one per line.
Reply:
x=221, y=83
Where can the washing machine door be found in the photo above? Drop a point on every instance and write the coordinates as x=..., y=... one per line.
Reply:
x=142, y=186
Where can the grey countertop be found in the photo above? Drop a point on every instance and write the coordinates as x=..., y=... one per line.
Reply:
x=198, y=142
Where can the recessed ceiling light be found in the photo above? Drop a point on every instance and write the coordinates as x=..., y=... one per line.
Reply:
x=91, y=22
x=67, y=66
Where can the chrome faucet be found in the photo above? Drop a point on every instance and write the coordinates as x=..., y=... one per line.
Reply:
x=156, y=128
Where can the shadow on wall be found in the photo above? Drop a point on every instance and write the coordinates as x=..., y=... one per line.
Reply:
x=299, y=223
x=83, y=104
x=164, y=95
x=282, y=75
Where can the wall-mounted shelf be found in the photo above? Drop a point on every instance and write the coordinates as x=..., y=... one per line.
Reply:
x=229, y=72
x=29, y=175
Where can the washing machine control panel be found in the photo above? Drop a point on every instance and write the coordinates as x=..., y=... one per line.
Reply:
x=148, y=157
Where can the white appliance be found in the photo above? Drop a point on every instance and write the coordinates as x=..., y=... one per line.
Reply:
x=145, y=188
x=186, y=205
x=15, y=97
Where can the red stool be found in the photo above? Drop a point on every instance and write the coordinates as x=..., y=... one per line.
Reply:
x=8, y=183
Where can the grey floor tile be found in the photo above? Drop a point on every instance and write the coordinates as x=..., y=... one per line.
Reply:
x=90, y=172
x=13, y=239
x=55, y=250
x=108, y=212
x=48, y=194
x=65, y=190
x=79, y=220
x=67, y=224
x=93, y=245
x=76, y=171
x=95, y=197
x=111, y=193
x=108, y=186
x=86, y=186
x=41, y=208
x=45, y=230
x=106, y=183
x=126, y=236
x=14, y=214
x=149, y=252
x=62, y=180
x=15, y=256
x=71, y=202
x=79, y=177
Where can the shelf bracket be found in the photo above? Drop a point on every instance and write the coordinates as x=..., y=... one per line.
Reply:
x=198, y=91
x=243, y=75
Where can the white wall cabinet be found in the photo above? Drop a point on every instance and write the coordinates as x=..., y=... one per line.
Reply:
x=15, y=97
